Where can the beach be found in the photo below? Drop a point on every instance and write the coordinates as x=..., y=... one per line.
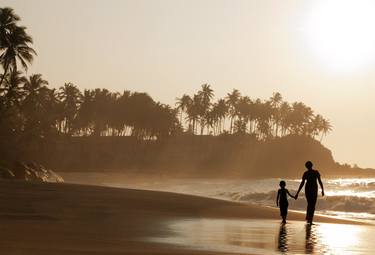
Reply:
x=48, y=218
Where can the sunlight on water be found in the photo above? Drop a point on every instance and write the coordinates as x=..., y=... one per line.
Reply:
x=269, y=237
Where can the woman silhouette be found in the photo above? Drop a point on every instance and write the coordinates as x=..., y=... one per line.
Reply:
x=311, y=177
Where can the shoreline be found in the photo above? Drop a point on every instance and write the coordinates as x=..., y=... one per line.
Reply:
x=56, y=218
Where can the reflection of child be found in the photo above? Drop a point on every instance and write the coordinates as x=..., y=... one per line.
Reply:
x=282, y=200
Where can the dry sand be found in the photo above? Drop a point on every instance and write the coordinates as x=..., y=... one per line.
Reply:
x=75, y=219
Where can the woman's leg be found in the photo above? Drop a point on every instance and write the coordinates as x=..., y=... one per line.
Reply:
x=311, y=198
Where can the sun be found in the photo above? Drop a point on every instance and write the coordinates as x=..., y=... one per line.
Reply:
x=341, y=33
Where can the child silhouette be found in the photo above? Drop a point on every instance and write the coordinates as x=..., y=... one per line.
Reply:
x=282, y=200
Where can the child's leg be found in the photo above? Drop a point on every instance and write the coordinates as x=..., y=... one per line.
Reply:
x=284, y=219
x=284, y=212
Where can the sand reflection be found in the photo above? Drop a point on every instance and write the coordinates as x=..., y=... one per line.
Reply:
x=269, y=237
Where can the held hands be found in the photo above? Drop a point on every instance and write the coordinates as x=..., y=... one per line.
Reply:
x=295, y=196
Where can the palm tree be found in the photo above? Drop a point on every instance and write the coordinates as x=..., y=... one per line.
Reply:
x=276, y=101
x=239, y=127
x=232, y=101
x=193, y=111
x=11, y=95
x=221, y=111
x=69, y=96
x=182, y=104
x=284, y=110
x=85, y=112
x=264, y=116
x=39, y=107
x=11, y=90
x=8, y=20
x=299, y=117
x=34, y=84
x=325, y=128
x=244, y=107
x=14, y=43
x=205, y=95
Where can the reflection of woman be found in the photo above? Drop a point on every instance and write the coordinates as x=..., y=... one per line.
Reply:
x=311, y=177
x=310, y=239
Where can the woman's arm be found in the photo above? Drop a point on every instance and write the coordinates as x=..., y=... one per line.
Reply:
x=321, y=185
x=300, y=187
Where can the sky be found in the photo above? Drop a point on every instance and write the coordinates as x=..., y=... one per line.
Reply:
x=319, y=52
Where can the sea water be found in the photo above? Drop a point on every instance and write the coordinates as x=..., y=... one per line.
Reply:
x=344, y=198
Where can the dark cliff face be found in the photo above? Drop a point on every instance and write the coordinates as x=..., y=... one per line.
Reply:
x=198, y=156
x=288, y=156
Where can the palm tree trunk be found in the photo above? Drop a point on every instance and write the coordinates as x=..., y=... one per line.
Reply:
x=5, y=73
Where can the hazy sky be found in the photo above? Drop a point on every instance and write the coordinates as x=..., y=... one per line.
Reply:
x=318, y=52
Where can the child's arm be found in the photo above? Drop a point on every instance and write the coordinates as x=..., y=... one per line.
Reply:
x=287, y=191
x=277, y=199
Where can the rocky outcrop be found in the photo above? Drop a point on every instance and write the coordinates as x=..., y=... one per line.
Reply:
x=30, y=172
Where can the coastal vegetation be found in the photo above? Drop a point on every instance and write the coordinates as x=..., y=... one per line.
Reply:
x=29, y=106
x=42, y=121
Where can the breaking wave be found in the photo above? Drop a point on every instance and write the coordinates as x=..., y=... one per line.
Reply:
x=354, y=204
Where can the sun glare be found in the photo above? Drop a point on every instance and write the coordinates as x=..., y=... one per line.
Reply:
x=341, y=33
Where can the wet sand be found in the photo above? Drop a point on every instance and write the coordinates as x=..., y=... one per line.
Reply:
x=76, y=219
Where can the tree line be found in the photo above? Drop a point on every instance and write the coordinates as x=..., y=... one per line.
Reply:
x=29, y=107
x=238, y=114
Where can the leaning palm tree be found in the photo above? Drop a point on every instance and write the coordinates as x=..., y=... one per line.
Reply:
x=14, y=43
x=325, y=127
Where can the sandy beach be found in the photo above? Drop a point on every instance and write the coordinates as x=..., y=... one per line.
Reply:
x=76, y=219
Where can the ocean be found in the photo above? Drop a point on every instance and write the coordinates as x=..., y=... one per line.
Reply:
x=345, y=198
